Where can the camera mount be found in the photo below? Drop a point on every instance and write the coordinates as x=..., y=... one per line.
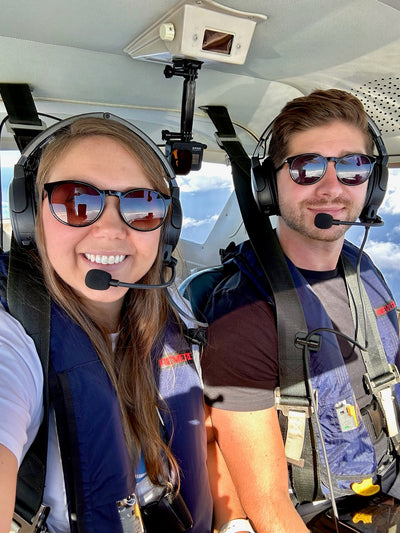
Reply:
x=183, y=153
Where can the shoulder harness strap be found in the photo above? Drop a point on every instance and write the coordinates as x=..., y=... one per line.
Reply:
x=29, y=303
x=381, y=377
x=293, y=398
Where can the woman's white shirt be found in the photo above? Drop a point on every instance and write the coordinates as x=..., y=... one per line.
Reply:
x=21, y=387
x=21, y=408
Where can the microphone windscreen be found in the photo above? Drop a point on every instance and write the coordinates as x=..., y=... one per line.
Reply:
x=323, y=221
x=97, y=279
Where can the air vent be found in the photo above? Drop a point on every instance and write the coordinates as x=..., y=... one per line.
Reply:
x=381, y=98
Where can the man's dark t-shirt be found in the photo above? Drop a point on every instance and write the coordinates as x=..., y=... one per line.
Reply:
x=240, y=362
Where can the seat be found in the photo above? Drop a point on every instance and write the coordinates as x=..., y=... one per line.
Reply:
x=198, y=287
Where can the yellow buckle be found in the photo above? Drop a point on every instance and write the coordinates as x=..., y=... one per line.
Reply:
x=366, y=487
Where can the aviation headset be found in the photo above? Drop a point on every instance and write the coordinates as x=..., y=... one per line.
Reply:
x=23, y=196
x=263, y=177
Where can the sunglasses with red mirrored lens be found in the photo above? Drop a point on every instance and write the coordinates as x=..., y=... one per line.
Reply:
x=80, y=204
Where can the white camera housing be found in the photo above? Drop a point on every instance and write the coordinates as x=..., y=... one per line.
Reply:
x=198, y=29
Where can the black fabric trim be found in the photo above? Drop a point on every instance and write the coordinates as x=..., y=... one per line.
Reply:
x=61, y=397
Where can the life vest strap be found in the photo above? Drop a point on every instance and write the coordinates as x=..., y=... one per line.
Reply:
x=297, y=410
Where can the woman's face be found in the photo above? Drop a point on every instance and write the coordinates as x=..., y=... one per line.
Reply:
x=109, y=243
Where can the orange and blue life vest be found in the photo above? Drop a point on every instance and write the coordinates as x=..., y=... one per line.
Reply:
x=98, y=469
x=88, y=419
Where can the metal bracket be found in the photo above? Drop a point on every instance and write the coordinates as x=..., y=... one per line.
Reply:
x=386, y=380
x=296, y=427
x=288, y=406
x=383, y=391
x=38, y=525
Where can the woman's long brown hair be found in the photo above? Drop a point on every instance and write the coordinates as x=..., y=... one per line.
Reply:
x=143, y=316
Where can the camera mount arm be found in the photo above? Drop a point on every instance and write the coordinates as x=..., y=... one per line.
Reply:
x=188, y=69
x=183, y=153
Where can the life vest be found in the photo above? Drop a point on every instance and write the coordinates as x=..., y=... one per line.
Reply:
x=99, y=472
x=351, y=453
x=87, y=406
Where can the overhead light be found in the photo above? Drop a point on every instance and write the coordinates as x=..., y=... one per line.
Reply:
x=198, y=29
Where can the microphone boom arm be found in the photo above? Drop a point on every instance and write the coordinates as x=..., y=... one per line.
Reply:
x=326, y=221
x=101, y=280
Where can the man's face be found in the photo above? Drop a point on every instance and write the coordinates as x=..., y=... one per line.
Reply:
x=299, y=204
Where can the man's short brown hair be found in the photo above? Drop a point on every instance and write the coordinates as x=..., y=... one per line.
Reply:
x=317, y=109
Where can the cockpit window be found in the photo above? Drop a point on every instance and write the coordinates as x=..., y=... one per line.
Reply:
x=8, y=158
x=383, y=244
x=204, y=193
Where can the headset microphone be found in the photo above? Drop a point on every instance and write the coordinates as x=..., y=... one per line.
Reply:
x=100, y=280
x=326, y=221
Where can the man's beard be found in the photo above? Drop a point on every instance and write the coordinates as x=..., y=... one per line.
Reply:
x=295, y=220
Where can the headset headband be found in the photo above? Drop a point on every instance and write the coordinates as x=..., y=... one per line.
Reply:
x=263, y=139
x=372, y=127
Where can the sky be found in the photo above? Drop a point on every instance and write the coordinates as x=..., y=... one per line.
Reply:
x=383, y=244
x=204, y=194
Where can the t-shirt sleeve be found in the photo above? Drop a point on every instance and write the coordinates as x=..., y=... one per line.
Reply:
x=21, y=386
x=240, y=367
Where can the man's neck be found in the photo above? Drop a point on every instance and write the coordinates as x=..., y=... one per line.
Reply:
x=307, y=253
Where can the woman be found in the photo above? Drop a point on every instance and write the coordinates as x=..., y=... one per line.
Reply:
x=126, y=417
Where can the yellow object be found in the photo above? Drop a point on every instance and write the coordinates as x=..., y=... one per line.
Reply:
x=365, y=488
x=362, y=517
x=138, y=516
x=352, y=412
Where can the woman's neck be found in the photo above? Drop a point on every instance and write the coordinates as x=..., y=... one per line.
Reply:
x=105, y=315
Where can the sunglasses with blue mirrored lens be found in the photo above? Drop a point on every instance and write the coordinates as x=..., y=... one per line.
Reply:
x=351, y=169
x=79, y=204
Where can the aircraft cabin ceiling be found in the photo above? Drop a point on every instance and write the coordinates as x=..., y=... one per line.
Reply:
x=72, y=56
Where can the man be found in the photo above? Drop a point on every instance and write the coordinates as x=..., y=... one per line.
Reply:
x=321, y=157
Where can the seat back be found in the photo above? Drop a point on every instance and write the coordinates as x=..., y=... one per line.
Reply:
x=197, y=288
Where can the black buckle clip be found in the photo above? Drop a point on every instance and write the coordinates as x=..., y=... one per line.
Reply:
x=303, y=339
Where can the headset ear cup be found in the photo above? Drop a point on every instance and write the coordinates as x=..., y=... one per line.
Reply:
x=265, y=193
x=23, y=206
x=172, y=228
x=377, y=183
x=376, y=191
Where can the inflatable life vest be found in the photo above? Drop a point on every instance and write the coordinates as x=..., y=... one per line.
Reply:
x=88, y=407
x=351, y=453
x=90, y=429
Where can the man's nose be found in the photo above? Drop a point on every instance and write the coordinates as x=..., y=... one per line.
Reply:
x=329, y=181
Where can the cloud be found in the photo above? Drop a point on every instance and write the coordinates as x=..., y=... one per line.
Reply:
x=189, y=222
x=6, y=212
x=385, y=254
x=9, y=157
x=391, y=203
x=212, y=176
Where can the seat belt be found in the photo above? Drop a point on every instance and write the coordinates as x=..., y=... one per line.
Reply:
x=292, y=397
x=29, y=303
